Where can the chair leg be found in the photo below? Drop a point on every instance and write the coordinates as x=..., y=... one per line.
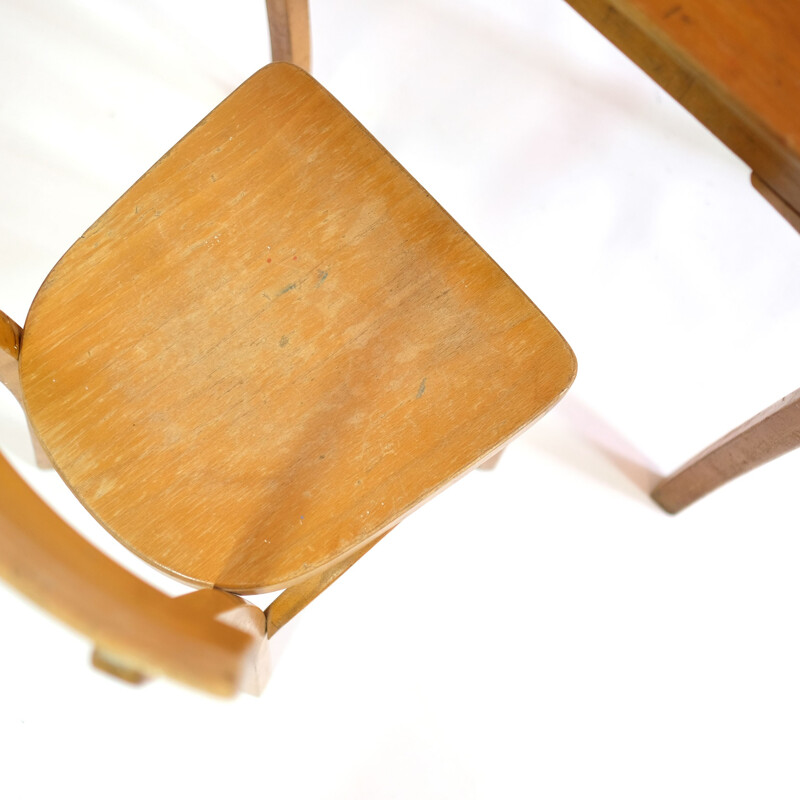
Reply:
x=294, y=599
x=770, y=434
x=289, y=32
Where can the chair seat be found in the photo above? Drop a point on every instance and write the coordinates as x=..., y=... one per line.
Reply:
x=276, y=345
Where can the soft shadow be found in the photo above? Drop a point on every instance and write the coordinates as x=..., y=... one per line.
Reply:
x=633, y=473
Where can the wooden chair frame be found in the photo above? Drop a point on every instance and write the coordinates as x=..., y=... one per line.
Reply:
x=210, y=638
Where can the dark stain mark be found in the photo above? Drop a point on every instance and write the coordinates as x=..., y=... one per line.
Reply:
x=213, y=178
x=686, y=18
x=671, y=11
x=421, y=390
x=321, y=276
x=136, y=210
x=322, y=457
x=284, y=341
x=287, y=289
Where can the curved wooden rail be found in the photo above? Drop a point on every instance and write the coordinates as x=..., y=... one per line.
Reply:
x=132, y=623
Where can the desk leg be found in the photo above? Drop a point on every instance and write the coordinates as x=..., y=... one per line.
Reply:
x=776, y=201
x=770, y=434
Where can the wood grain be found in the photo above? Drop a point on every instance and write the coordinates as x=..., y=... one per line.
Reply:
x=769, y=434
x=734, y=65
x=137, y=626
x=289, y=32
x=275, y=346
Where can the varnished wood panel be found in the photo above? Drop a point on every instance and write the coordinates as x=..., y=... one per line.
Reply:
x=276, y=345
x=735, y=65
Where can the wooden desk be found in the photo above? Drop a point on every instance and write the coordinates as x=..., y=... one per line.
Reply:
x=734, y=64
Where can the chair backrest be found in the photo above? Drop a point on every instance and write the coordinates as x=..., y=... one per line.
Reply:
x=129, y=620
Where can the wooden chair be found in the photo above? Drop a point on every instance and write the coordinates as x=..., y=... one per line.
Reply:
x=734, y=65
x=268, y=352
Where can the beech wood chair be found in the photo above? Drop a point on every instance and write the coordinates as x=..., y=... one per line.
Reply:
x=268, y=352
x=735, y=65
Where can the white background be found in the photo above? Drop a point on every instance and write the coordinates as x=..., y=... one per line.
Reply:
x=542, y=630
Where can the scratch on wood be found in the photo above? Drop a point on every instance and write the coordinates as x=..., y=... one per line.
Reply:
x=321, y=276
x=284, y=341
x=671, y=11
x=286, y=289
x=421, y=390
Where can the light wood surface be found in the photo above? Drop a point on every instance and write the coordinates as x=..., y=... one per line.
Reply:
x=766, y=436
x=275, y=346
x=289, y=32
x=140, y=629
x=735, y=65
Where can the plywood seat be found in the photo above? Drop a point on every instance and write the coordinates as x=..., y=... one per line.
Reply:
x=274, y=347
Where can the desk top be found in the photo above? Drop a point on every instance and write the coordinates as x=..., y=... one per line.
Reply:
x=734, y=64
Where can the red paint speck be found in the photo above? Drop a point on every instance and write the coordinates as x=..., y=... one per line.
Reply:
x=269, y=261
x=294, y=258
